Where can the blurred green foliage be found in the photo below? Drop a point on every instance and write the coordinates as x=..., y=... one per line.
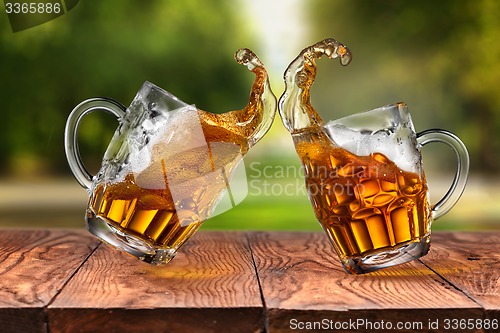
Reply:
x=441, y=57
x=109, y=48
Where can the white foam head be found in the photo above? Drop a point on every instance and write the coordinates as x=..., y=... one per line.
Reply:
x=387, y=130
x=156, y=125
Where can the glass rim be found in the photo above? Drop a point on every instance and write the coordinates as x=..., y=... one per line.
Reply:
x=399, y=108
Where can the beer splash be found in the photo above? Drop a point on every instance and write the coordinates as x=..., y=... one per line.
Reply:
x=143, y=203
x=295, y=106
x=248, y=125
x=366, y=204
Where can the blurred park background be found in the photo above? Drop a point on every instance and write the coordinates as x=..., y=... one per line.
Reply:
x=440, y=57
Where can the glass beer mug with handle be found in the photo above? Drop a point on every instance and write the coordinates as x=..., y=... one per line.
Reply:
x=169, y=165
x=364, y=172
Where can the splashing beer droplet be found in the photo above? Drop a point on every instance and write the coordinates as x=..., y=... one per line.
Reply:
x=248, y=58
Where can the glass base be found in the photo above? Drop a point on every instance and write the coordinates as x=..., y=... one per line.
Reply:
x=386, y=258
x=128, y=243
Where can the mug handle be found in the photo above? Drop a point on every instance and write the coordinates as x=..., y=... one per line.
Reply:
x=71, y=134
x=457, y=187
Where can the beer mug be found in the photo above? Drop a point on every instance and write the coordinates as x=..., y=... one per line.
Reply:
x=364, y=172
x=169, y=165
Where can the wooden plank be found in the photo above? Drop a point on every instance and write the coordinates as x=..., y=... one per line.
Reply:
x=34, y=266
x=303, y=282
x=470, y=262
x=210, y=286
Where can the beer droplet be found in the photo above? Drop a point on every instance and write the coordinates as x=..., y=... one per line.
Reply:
x=247, y=58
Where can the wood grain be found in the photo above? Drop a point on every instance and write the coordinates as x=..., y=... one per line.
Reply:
x=64, y=281
x=210, y=286
x=471, y=263
x=34, y=266
x=302, y=279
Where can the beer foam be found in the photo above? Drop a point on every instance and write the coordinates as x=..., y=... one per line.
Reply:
x=162, y=138
x=385, y=130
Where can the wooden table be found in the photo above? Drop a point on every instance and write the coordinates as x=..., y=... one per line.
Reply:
x=67, y=281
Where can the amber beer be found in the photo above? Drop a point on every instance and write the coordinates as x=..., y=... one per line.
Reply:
x=145, y=213
x=148, y=214
x=374, y=211
x=366, y=204
x=152, y=214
